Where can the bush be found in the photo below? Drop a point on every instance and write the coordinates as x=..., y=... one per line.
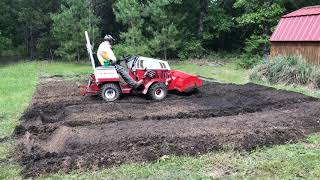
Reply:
x=315, y=78
x=247, y=62
x=5, y=45
x=125, y=50
x=192, y=49
x=287, y=70
x=255, y=44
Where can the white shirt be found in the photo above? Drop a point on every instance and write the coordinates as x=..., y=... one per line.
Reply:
x=105, y=47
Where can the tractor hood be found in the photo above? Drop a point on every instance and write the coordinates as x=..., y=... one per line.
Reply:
x=140, y=62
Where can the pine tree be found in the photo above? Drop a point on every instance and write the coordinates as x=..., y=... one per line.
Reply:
x=150, y=29
x=8, y=20
x=162, y=28
x=75, y=17
x=129, y=13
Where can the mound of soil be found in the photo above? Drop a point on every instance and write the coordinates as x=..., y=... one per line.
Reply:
x=61, y=131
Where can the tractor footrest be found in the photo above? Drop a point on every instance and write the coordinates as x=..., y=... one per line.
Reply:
x=84, y=90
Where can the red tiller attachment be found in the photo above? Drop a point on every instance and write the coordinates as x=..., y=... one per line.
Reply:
x=183, y=82
x=91, y=87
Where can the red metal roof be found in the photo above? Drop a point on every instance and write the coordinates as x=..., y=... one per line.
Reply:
x=311, y=10
x=300, y=25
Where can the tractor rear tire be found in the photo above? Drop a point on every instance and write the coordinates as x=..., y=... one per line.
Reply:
x=157, y=91
x=110, y=92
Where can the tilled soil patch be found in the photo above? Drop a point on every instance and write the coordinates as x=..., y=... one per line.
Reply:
x=61, y=131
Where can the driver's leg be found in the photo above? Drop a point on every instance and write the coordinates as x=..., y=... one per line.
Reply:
x=127, y=78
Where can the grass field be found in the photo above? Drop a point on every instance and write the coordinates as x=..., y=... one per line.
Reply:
x=290, y=161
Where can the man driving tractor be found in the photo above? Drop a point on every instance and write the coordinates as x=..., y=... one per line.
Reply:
x=106, y=56
x=158, y=77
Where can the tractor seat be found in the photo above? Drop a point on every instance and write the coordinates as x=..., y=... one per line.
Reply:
x=96, y=60
x=97, y=63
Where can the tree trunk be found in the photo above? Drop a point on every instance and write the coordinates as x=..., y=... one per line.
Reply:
x=78, y=55
x=266, y=33
x=26, y=42
x=31, y=43
x=265, y=47
x=51, y=54
x=165, y=53
x=203, y=14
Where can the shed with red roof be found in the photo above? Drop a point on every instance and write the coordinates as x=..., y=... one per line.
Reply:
x=298, y=33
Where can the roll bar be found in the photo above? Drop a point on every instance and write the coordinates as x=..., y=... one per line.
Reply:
x=89, y=49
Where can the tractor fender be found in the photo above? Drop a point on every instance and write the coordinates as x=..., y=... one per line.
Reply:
x=146, y=86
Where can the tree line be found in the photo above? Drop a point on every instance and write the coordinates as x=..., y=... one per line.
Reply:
x=160, y=28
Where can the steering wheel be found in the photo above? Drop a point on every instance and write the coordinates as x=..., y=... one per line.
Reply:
x=136, y=58
x=126, y=58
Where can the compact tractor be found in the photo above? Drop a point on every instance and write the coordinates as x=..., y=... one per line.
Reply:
x=157, y=75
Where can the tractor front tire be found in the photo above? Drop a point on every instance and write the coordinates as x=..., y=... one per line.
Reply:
x=157, y=91
x=110, y=92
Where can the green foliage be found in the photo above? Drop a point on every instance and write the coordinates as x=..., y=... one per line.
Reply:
x=69, y=25
x=260, y=17
x=287, y=70
x=149, y=32
x=255, y=43
x=164, y=32
x=163, y=28
x=134, y=43
x=191, y=49
x=217, y=23
x=258, y=12
x=8, y=19
x=129, y=12
x=315, y=77
x=248, y=61
x=33, y=22
x=5, y=45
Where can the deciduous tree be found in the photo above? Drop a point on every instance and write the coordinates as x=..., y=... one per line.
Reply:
x=259, y=17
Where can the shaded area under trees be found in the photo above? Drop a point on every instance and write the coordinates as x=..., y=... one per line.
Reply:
x=162, y=28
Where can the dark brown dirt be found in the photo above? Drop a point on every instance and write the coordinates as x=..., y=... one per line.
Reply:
x=63, y=131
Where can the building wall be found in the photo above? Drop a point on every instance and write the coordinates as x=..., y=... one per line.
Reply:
x=309, y=50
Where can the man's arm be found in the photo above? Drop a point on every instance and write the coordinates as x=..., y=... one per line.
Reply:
x=105, y=55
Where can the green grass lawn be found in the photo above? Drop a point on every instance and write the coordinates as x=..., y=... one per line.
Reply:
x=301, y=160
x=18, y=82
x=65, y=69
x=223, y=73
